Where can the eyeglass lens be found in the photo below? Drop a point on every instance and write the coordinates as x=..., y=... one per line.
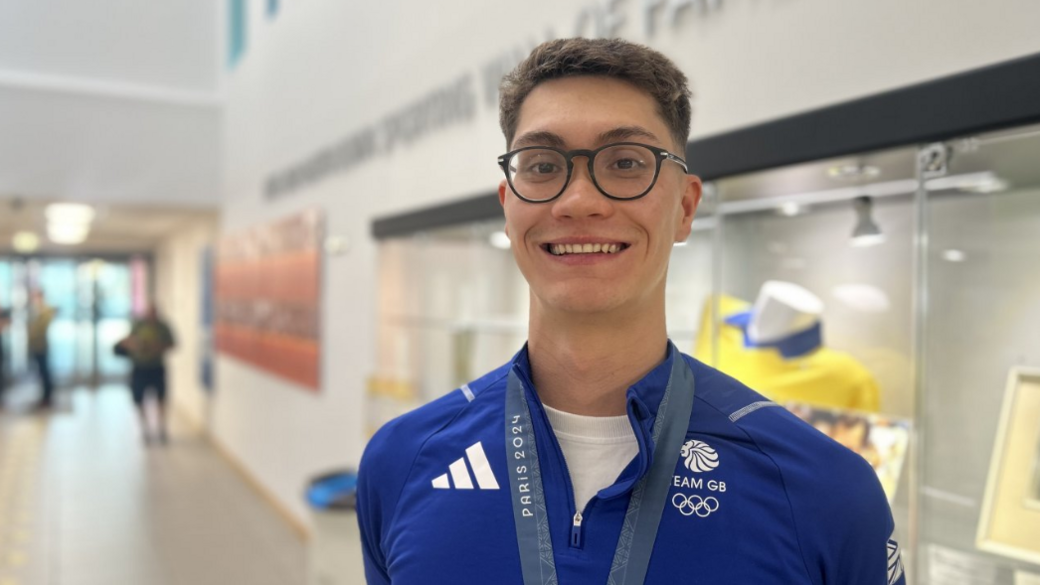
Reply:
x=621, y=171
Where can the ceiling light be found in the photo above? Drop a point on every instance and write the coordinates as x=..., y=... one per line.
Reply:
x=867, y=240
x=336, y=245
x=25, y=242
x=994, y=185
x=865, y=298
x=791, y=209
x=852, y=172
x=983, y=182
x=954, y=256
x=499, y=240
x=70, y=213
x=63, y=233
x=866, y=233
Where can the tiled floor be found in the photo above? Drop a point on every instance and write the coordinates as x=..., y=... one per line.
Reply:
x=84, y=502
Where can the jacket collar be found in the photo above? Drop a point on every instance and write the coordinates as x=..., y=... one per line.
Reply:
x=643, y=399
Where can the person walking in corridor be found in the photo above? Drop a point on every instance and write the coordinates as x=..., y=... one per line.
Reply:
x=149, y=340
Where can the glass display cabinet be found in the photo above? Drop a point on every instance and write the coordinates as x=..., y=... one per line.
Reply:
x=890, y=297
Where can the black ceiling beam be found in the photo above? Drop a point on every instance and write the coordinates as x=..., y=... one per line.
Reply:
x=995, y=97
x=999, y=96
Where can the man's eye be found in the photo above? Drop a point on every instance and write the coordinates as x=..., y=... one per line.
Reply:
x=626, y=160
x=542, y=168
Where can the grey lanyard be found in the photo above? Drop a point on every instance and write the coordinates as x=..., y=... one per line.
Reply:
x=639, y=531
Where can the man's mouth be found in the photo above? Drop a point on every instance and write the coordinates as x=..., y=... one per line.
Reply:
x=600, y=248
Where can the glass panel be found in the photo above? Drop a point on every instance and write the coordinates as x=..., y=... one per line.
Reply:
x=690, y=277
x=814, y=301
x=453, y=306
x=57, y=279
x=983, y=322
x=17, y=357
x=6, y=306
x=80, y=350
x=114, y=301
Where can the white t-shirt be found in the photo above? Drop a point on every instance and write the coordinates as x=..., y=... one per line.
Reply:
x=597, y=449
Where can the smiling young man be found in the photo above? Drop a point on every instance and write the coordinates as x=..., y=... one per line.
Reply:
x=600, y=453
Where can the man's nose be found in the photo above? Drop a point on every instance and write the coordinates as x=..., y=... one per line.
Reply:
x=581, y=197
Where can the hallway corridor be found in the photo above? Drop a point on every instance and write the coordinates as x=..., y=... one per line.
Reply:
x=83, y=501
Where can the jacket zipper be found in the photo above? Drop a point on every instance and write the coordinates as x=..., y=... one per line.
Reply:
x=577, y=540
x=578, y=519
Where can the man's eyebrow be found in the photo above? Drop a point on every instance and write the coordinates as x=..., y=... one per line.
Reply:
x=619, y=134
x=539, y=138
x=623, y=133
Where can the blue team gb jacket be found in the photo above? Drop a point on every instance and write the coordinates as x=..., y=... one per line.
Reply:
x=758, y=497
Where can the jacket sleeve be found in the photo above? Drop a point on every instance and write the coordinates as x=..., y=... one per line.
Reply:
x=372, y=512
x=839, y=510
x=383, y=474
x=846, y=526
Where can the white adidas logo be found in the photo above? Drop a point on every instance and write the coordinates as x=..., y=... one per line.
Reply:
x=895, y=561
x=460, y=473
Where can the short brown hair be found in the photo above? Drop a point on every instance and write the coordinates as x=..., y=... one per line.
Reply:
x=641, y=66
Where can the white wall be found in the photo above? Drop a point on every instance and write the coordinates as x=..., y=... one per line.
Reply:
x=165, y=43
x=111, y=101
x=321, y=71
x=178, y=292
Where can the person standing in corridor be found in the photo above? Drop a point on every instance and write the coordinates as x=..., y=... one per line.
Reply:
x=600, y=453
x=40, y=316
x=5, y=321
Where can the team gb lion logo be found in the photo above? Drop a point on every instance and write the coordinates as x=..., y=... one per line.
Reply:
x=699, y=457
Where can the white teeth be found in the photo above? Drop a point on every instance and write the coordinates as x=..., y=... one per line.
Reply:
x=561, y=249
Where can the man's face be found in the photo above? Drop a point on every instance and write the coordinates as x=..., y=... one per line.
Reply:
x=586, y=113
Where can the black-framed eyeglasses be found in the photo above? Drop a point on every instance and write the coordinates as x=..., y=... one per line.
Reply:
x=622, y=170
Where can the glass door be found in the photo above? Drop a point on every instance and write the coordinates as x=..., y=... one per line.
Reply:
x=980, y=458
x=812, y=303
x=94, y=301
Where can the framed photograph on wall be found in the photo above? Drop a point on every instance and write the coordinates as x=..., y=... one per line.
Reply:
x=881, y=440
x=1010, y=520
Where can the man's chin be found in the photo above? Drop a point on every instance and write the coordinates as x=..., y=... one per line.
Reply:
x=583, y=302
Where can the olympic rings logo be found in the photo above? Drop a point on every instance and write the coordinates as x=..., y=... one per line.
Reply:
x=690, y=505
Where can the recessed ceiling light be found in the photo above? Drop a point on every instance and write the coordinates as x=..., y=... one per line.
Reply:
x=791, y=209
x=25, y=242
x=852, y=172
x=65, y=233
x=954, y=256
x=70, y=213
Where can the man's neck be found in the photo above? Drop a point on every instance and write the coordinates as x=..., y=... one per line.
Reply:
x=584, y=365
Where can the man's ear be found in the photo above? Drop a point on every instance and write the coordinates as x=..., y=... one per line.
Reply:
x=689, y=202
x=503, y=189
